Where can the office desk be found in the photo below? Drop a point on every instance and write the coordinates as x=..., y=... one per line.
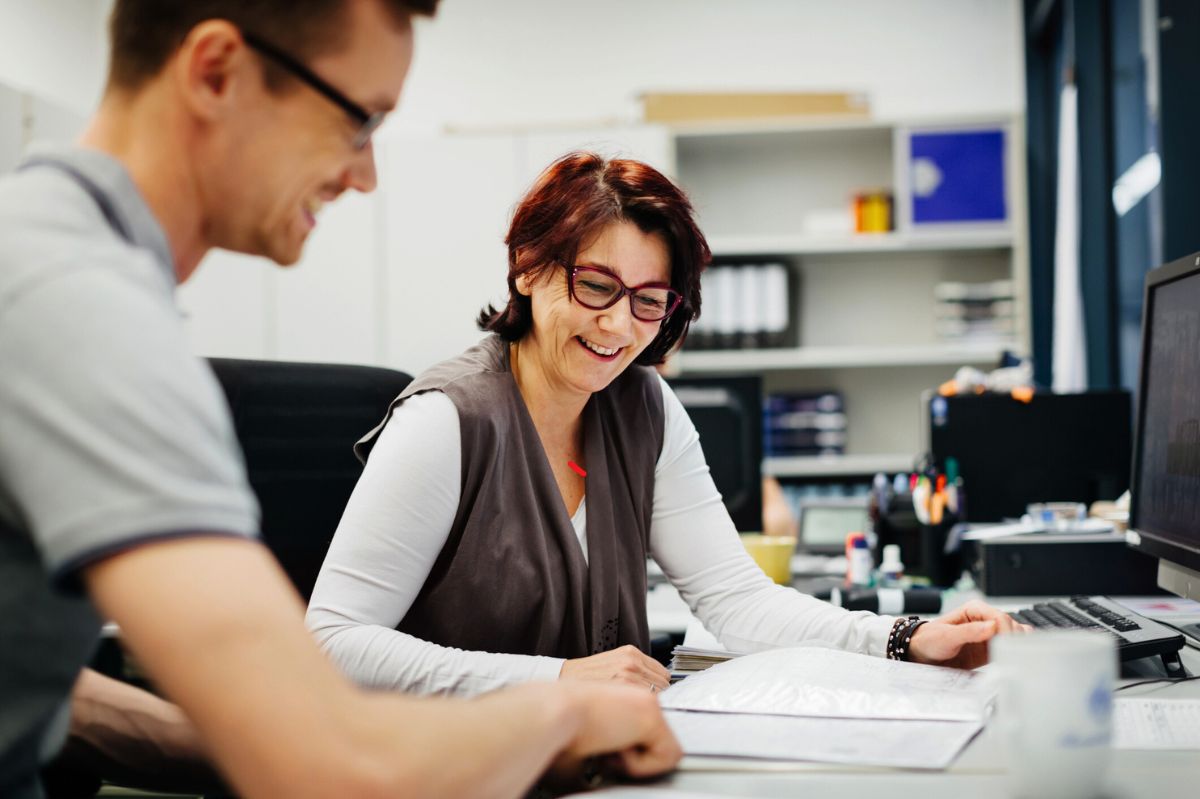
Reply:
x=978, y=773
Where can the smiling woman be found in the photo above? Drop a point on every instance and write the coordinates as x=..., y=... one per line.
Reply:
x=500, y=530
x=569, y=206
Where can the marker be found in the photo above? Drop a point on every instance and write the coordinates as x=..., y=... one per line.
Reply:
x=575, y=467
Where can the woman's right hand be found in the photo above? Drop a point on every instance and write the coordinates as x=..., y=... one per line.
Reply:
x=627, y=663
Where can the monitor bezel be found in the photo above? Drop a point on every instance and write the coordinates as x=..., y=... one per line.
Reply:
x=1148, y=541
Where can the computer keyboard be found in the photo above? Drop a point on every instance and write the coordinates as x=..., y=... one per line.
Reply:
x=1135, y=635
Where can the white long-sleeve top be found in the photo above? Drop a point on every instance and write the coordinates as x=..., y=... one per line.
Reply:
x=399, y=517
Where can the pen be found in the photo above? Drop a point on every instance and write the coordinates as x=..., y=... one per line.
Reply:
x=953, y=483
x=937, y=506
x=920, y=498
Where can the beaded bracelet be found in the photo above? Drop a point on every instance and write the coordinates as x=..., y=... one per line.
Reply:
x=901, y=636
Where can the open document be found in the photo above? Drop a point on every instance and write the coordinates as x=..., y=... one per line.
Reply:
x=860, y=742
x=828, y=683
x=830, y=706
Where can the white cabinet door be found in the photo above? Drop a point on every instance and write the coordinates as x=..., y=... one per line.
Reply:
x=329, y=307
x=445, y=213
x=229, y=307
x=324, y=308
x=12, y=124
x=50, y=123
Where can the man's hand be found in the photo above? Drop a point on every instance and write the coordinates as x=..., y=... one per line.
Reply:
x=960, y=638
x=624, y=725
x=627, y=663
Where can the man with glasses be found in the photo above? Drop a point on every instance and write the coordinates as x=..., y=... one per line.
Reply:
x=122, y=494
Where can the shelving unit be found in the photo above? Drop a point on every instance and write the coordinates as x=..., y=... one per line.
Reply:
x=850, y=357
x=816, y=244
x=864, y=304
x=837, y=465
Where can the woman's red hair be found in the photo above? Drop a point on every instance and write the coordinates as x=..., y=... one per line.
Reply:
x=571, y=202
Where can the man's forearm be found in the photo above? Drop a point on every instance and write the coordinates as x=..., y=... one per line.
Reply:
x=217, y=626
x=127, y=735
x=214, y=621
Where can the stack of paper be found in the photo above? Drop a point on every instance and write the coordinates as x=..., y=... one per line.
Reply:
x=688, y=660
x=821, y=704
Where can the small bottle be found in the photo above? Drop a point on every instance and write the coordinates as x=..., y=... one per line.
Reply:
x=859, y=564
x=891, y=570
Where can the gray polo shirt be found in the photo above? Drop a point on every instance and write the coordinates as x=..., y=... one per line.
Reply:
x=112, y=433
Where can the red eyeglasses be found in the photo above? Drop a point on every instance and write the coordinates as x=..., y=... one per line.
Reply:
x=598, y=289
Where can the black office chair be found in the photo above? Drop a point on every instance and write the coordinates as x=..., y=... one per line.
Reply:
x=297, y=424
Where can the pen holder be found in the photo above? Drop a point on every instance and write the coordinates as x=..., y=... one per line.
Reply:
x=899, y=526
x=942, y=568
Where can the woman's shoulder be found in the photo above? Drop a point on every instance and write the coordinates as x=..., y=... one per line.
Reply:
x=484, y=362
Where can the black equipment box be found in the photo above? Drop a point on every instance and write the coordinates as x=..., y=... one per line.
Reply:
x=1054, y=448
x=1048, y=564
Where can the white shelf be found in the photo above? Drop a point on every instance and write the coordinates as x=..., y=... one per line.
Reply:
x=836, y=465
x=840, y=357
x=817, y=125
x=916, y=241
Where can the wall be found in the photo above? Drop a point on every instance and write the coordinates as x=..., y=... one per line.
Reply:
x=488, y=63
x=54, y=49
x=523, y=66
x=395, y=278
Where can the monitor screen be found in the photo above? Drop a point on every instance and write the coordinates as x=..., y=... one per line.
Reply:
x=824, y=523
x=1166, y=490
x=727, y=413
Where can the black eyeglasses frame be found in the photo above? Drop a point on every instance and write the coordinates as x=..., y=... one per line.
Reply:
x=367, y=121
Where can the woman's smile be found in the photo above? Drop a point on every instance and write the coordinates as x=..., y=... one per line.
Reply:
x=596, y=351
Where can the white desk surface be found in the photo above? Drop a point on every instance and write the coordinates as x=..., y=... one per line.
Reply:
x=978, y=773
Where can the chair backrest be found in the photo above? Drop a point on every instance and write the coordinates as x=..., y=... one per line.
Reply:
x=297, y=424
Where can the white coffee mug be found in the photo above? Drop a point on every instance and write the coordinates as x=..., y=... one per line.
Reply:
x=1055, y=710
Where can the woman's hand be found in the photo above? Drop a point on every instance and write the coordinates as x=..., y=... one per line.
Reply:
x=626, y=663
x=960, y=638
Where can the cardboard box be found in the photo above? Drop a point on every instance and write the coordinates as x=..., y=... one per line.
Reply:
x=687, y=107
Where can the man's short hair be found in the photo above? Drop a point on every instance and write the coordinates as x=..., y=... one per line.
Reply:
x=144, y=33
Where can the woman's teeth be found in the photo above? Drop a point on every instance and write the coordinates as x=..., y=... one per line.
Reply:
x=596, y=348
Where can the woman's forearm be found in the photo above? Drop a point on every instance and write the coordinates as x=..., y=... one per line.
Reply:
x=127, y=735
x=380, y=658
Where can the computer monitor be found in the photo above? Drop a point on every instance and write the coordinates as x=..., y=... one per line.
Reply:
x=1164, y=518
x=727, y=413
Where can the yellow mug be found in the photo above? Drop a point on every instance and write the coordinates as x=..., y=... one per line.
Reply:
x=772, y=553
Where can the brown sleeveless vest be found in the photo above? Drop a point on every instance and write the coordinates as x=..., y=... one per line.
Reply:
x=512, y=577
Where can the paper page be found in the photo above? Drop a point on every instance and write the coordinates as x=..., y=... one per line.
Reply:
x=986, y=532
x=1143, y=723
x=810, y=681
x=863, y=742
x=1161, y=607
x=636, y=792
